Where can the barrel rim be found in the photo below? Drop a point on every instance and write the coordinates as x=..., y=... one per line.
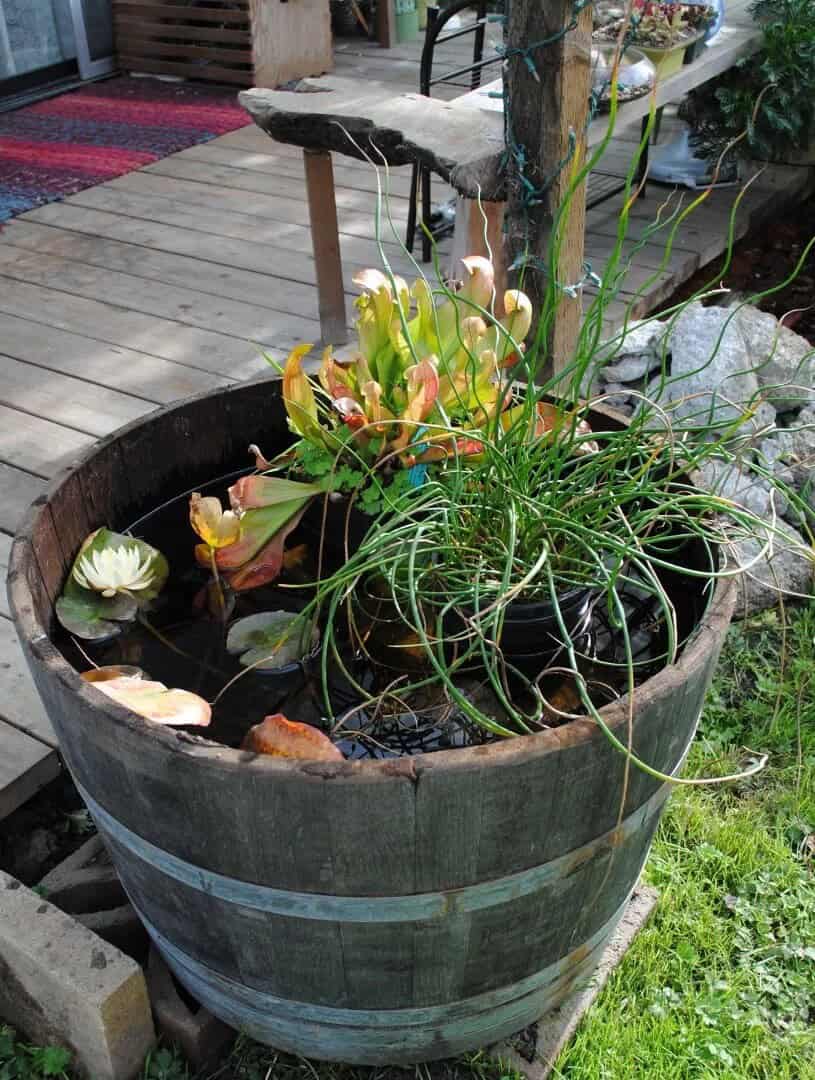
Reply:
x=43, y=653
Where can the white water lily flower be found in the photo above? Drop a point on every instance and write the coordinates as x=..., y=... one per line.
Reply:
x=114, y=570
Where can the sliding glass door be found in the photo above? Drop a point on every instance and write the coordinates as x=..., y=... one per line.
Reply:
x=93, y=22
x=47, y=41
x=36, y=38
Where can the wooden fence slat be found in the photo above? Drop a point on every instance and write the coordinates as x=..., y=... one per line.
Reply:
x=168, y=10
x=130, y=44
x=192, y=71
x=137, y=27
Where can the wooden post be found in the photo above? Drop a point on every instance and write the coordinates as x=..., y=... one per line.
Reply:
x=289, y=40
x=543, y=110
x=385, y=23
x=325, y=239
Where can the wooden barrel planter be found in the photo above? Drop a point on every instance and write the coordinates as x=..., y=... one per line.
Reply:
x=367, y=912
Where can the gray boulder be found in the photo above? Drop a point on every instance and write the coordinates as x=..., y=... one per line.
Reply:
x=711, y=380
x=753, y=493
x=790, y=454
x=788, y=571
x=635, y=355
x=784, y=360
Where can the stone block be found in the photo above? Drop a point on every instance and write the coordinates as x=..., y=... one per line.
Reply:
x=84, y=881
x=62, y=985
x=201, y=1037
x=119, y=926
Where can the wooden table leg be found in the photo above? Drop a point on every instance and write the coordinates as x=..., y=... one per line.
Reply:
x=385, y=23
x=325, y=238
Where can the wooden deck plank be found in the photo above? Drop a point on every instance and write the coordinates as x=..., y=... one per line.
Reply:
x=26, y=763
x=236, y=225
x=133, y=329
x=35, y=445
x=286, y=180
x=20, y=706
x=65, y=400
x=356, y=209
x=360, y=176
x=277, y=185
x=226, y=318
x=193, y=243
x=26, y=766
x=18, y=489
x=96, y=362
x=276, y=293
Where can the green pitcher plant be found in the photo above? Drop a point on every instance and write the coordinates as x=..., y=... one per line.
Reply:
x=430, y=370
x=430, y=378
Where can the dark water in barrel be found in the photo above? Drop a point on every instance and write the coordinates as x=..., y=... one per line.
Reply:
x=191, y=653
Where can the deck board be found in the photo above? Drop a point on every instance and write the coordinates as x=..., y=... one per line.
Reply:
x=18, y=489
x=26, y=765
x=156, y=380
x=168, y=280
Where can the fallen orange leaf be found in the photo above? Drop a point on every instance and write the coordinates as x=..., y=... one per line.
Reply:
x=280, y=737
x=155, y=702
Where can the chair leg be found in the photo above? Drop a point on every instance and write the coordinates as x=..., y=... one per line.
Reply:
x=427, y=209
x=657, y=124
x=412, y=199
x=642, y=168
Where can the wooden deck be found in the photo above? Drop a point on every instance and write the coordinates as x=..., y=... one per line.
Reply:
x=171, y=280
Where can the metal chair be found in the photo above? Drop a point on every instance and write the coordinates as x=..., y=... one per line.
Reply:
x=468, y=77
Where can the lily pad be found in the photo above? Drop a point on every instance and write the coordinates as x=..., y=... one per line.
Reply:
x=272, y=640
x=86, y=612
x=90, y=615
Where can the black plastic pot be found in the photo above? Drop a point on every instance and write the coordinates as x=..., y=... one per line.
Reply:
x=332, y=529
x=531, y=637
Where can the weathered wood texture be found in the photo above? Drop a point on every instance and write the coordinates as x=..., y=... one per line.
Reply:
x=366, y=911
x=340, y=114
x=547, y=110
x=325, y=239
x=290, y=40
x=241, y=42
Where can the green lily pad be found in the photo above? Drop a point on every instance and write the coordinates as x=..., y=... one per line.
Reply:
x=275, y=638
x=88, y=614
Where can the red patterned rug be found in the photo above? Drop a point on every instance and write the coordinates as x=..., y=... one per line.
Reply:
x=67, y=143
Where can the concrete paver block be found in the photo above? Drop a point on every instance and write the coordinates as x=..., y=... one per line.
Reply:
x=201, y=1036
x=84, y=881
x=120, y=926
x=61, y=984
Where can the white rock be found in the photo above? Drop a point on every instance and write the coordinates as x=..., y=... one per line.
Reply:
x=784, y=360
x=711, y=381
x=788, y=571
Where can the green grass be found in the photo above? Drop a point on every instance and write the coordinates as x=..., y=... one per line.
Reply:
x=721, y=983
